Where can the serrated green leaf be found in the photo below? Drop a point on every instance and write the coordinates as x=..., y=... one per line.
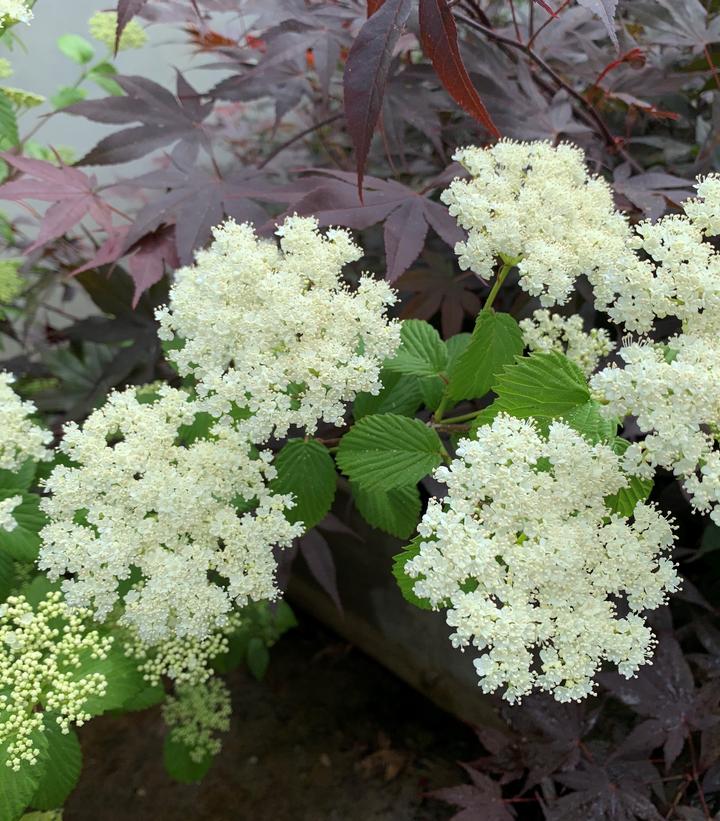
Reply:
x=456, y=347
x=150, y=696
x=495, y=342
x=306, y=470
x=62, y=766
x=257, y=657
x=432, y=389
x=394, y=511
x=8, y=123
x=18, y=787
x=388, y=451
x=76, y=48
x=180, y=765
x=399, y=394
x=22, y=543
x=589, y=420
x=542, y=385
x=421, y=351
x=405, y=582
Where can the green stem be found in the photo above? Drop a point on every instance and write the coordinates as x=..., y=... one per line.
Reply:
x=466, y=417
x=441, y=408
x=502, y=273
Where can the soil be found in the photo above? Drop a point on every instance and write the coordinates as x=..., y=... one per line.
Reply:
x=328, y=735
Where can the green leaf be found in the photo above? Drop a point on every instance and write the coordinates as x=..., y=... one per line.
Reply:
x=399, y=394
x=638, y=490
x=67, y=95
x=405, y=582
x=7, y=576
x=306, y=470
x=432, y=389
x=589, y=420
x=542, y=385
x=23, y=542
x=102, y=74
x=20, y=479
x=180, y=765
x=395, y=511
x=150, y=696
x=8, y=123
x=495, y=342
x=76, y=48
x=421, y=352
x=456, y=347
x=388, y=451
x=257, y=657
x=62, y=767
x=124, y=680
x=18, y=787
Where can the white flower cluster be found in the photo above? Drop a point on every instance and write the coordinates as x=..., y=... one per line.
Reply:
x=537, y=204
x=274, y=331
x=531, y=563
x=547, y=332
x=674, y=389
x=40, y=653
x=8, y=523
x=196, y=714
x=12, y=11
x=20, y=438
x=139, y=507
x=187, y=660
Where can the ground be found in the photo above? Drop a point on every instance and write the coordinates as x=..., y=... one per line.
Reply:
x=328, y=735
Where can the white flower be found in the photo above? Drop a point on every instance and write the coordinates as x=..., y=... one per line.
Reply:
x=674, y=391
x=546, y=332
x=195, y=714
x=12, y=11
x=530, y=562
x=140, y=507
x=535, y=203
x=20, y=438
x=40, y=653
x=8, y=523
x=274, y=331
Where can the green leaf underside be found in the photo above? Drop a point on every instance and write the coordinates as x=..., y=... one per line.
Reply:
x=307, y=471
x=388, y=451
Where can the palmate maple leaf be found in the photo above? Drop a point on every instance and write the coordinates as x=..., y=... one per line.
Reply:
x=665, y=695
x=164, y=118
x=480, y=800
x=332, y=197
x=74, y=195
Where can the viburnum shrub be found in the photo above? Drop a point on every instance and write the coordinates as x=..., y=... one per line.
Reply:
x=162, y=464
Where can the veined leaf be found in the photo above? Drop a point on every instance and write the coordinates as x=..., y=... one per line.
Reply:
x=387, y=451
x=439, y=39
x=394, y=511
x=366, y=73
x=400, y=394
x=495, y=342
x=589, y=420
x=62, y=766
x=306, y=470
x=542, y=385
x=421, y=352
